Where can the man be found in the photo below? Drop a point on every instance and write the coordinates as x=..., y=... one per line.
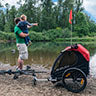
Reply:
x=21, y=46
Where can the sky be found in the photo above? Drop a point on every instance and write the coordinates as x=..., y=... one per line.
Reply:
x=89, y=5
x=11, y=2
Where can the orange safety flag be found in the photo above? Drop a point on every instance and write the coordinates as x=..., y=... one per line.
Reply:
x=70, y=17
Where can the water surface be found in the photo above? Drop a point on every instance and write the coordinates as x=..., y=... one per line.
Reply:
x=43, y=53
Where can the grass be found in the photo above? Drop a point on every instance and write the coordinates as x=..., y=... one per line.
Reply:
x=77, y=39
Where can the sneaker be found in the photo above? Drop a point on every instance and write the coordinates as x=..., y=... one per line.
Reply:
x=28, y=67
x=29, y=43
x=18, y=69
x=16, y=75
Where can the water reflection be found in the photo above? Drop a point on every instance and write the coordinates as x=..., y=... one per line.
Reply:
x=43, y=53
x=39, y=53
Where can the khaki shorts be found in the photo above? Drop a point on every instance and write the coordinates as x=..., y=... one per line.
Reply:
x=23, y=51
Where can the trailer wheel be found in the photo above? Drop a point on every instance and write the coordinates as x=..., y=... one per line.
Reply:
x=74, y=80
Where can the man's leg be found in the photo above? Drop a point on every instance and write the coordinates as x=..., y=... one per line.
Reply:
x=23, y=55
x=20, y=63
x=20, y=67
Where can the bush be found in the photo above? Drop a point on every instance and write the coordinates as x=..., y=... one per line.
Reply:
x=7, y=36
x=36, y=36
x=50, y=35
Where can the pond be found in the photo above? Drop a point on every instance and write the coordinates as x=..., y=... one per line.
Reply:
x=43, y=53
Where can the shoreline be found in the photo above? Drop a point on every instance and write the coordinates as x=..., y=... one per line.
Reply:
x=23, y=85
x=74, y=40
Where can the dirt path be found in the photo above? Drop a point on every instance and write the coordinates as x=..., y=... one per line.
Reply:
x=23, y=86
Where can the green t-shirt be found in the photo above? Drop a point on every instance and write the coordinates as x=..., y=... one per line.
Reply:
x=19, y=39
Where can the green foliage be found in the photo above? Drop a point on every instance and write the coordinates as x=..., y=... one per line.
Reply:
x=66, y=33
x=2, y=20
x=36, y=36
x=7, y=27
x=49, y=35
x=51, y=17
x=82, y=28
x=77, y=39
x=92, y=27
x=7, y=36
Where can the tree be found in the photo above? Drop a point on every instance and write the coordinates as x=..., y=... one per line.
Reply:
x=92, y=26
x=29, y=9
x=7, y=10
x=9, y=26
x=82, y=28
x=78, y=6
x=2, y=20
x=47, y=17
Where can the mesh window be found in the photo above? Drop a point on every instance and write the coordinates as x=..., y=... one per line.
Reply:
x=67, y=59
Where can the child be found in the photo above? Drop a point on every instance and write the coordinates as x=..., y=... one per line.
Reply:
x=24, y=25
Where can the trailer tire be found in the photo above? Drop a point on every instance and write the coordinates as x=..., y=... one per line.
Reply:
x=74, y=80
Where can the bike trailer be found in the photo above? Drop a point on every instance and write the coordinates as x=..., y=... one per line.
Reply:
x=72, y=66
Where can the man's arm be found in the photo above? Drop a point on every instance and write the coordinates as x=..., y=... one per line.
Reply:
x=23, y=34
x=20, y=33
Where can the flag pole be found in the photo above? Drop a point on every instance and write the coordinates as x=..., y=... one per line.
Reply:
x=71, y=34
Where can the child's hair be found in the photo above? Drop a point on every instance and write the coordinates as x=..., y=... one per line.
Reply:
x=16, y=20
x=23, y=17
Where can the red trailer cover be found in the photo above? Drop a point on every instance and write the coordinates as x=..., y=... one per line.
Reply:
x=81, y=49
